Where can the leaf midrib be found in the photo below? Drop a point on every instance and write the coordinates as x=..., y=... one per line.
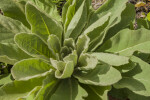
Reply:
x=131, y=47
x=35, y=50
x=45, y=24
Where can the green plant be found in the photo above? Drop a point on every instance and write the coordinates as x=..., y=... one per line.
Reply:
x=80, y=56
x=148, y=16
x=144, y=23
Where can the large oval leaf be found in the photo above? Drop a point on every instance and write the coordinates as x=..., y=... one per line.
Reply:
x=17, y=89
x=33, y=45
x=140, y=74
x=47, y=6
x=111, y=59
x=50, y=84
x=42, y=24
x=15, y=10
x=30, y=68
x=4, y=79
x=8, y=28
x=69, y=89
x=78, y=22
x=11, y=53
x=102, y=75
x=109, y=6
x=97, y=92
x=127, y=41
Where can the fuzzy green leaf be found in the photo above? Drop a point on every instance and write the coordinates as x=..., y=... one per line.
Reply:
x=50, y=84
x=97, y=27
x=65, y=10
x=69, y=43
x=140, y=76
x=82, y=44
x=15, y=10
x=142, y=23
x=111, y=59
x=69, y=89
x=18, y=89
x=109, y=6
x=133, y=96
x=11, y=53
x=42, y=24
x=33, y=45
x=4, y=79
x=54, y=43
x=123, y=20
x=77, y=23
x=102, y=75
x=67, y=71
x=87, y=62
x=127, y=41
x=30, y=68
x=31, y=95
x=9, y=27
x=130, y=83
x=69, y=14
x=72, y=57
x=47, y=6
x=97, y=92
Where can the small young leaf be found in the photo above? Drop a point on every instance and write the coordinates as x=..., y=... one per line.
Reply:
x=87, y=62
x=67, y=71
x=54, y=43
x=72, y=57
x=69, y=43
x=82, y=44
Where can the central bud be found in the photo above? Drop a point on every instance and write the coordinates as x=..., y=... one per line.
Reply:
x=70, y=56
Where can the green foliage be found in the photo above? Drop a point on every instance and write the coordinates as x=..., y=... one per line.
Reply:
x=148, y=16
x=82, y=55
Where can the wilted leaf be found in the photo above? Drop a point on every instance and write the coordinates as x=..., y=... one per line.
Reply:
x=140, y=4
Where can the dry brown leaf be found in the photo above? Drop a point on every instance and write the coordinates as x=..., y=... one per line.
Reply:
x=140, y=4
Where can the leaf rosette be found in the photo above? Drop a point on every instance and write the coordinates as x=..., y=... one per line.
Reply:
x=77, y=57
